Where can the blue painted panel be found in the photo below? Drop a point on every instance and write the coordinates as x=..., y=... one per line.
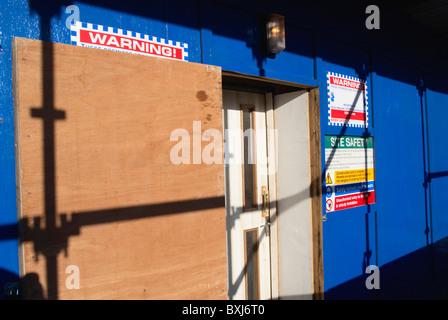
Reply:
x=184, y=25
x=437, y=108
x=123, y=16
x=437, y=100
x=296, y=62
x=349, y=247
x=232, y=40
x=400, y=160
x=439, y=215
x=348, y=235
x=403, y=216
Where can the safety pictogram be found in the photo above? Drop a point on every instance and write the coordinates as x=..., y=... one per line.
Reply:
x=329, y=205
x=328, y=180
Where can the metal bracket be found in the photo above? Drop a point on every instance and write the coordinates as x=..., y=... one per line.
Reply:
x=265, y=204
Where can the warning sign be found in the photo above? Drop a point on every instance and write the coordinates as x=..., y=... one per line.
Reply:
x=354, y=200
x=328, y=181
x=114, y=39
x=350, y=174
x=347, y=101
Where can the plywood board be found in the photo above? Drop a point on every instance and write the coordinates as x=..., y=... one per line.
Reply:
x=96, y=186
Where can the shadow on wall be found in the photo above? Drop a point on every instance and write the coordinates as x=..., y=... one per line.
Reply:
x=409, y=277
x=13, y=290
x=402, y=278
x=8, y=279
x=10, y=285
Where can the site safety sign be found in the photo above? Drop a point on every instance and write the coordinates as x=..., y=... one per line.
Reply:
x=349, y=172
x=114, y=39
x=347, y=101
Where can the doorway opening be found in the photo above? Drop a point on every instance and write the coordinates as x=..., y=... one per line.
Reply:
x=273, y=197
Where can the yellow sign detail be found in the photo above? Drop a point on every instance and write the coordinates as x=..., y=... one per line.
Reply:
x=351, y=176
x=328, y=181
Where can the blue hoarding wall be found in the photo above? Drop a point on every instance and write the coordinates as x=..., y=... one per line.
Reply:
x=437, y=175
x=351, y=229
x=400, y=136
x=405, y=231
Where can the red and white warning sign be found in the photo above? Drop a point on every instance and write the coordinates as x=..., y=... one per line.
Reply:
x=114, y=39
x=347, y=101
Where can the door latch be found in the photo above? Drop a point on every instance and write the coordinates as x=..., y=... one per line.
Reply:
x=265, y=200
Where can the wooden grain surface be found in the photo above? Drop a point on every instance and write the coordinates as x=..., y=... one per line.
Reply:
x=316, y=192
x=96, y=187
